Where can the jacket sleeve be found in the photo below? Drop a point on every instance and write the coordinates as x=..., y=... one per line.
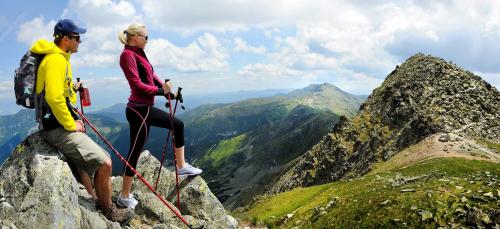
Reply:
x=54, y=92
x=128, y=64
x=157, y=80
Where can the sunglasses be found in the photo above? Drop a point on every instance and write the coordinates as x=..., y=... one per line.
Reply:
x=145, y=37
x=76, y=37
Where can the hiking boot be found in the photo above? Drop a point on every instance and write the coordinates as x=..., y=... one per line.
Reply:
x=189, y=170
x=119, y=215
x=129, y=202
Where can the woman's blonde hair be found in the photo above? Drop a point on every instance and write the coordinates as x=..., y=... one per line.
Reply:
x=132, y=30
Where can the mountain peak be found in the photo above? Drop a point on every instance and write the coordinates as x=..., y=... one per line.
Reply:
x=327, y=96
x=424, y=96
x=314, y=88
x=430, y=87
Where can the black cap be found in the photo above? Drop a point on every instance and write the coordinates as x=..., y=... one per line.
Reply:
x=67, y=26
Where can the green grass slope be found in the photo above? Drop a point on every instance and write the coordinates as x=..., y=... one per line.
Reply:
x=446, y=192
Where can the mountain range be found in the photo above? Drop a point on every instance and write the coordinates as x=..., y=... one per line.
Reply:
x=250, y=140
x=421, y=151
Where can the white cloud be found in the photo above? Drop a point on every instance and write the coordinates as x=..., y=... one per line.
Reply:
x=228, y=15
x=204, y=54
x=103, y=13
x=31, y=31
x=105, y=83
x=268, y=70
x=371, y=38
x=100, y=46
x=304, y=38
x=241, y=46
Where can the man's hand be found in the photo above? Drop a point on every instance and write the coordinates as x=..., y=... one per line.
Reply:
x=79, y=126
x=77, y=86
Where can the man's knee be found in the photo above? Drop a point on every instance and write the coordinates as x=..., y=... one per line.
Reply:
x=107, y=164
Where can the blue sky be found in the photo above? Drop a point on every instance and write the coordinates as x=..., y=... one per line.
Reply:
x=221, y=46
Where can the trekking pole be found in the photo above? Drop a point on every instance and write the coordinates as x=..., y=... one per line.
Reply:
x=173, y=148
x=135, y=171
x=164, y=151
x=179, y=97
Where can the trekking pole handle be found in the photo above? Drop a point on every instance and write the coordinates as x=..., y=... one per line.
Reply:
x=179, y=95
x=80, y=89
x=167, y=104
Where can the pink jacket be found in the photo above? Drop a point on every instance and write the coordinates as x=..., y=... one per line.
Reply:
x=144, y=84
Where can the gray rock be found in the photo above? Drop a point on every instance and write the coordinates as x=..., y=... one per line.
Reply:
x=196, y=199
x=489, y=194
x=444, y=138
x=426, y=215
x=40, y=187
x=37, y=188
x=385, y=203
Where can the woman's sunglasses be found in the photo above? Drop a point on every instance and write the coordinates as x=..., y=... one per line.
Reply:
x=145, y=37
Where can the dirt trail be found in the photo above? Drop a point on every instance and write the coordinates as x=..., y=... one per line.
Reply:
x=440, y=145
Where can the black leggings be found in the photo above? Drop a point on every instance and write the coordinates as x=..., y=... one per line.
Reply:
x=140, y=120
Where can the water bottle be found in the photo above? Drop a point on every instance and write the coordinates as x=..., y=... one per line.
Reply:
x=85, y=97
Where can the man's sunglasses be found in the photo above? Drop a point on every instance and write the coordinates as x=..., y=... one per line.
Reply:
x=77, y=37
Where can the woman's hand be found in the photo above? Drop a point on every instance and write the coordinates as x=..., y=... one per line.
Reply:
x=167, y=87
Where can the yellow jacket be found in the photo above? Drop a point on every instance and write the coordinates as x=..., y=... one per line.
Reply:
x=55, y=77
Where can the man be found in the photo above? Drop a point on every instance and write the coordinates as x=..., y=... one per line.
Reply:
x=61, y=126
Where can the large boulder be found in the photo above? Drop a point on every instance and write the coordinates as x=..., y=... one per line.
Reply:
x=38, y=187
x=196, y=199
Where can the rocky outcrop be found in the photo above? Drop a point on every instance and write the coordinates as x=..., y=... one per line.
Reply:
x=197, y=202
x=37, y=187
x=423, y=96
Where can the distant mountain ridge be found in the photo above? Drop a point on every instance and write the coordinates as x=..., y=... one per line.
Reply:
x=243, y=146
x=15, y=127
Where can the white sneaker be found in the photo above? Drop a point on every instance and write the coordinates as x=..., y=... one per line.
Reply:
x=189, y=170
x=129, y=202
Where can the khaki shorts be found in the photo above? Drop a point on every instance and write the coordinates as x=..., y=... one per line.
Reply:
x=79, y=148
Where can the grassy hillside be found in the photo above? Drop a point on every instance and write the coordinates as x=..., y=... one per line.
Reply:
x=242, y=167
x=223, y=150
x=432, y=193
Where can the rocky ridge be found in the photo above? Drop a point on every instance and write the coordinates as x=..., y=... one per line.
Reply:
x=423, y=96
x=37, y=187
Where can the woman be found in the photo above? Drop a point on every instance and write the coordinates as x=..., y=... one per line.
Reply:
x=140, y=112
